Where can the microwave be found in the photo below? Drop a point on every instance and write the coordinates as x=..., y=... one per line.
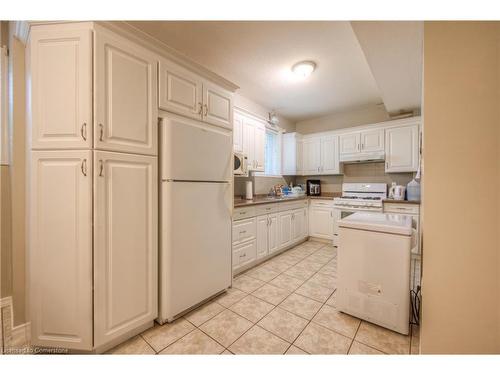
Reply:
x=240, y=165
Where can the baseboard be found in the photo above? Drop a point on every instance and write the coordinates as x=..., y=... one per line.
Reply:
x=13, y=336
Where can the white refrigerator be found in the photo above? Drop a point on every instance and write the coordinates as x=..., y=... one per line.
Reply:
x=195, y=220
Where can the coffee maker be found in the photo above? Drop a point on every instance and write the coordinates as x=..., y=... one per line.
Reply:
x=313, y=187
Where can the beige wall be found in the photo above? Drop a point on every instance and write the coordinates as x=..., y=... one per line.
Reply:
x=362, y=172
x=461, y=260
x=359, y=116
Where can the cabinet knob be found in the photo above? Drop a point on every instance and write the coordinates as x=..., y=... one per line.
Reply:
x=101, y=132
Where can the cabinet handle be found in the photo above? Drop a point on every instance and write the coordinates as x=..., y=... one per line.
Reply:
x=83, y=131
x=243, y=255
x=101, y=132
x=331, y=213
x=201, y=107
x=386, y=165
x=84, y=167
x=101, y=167
x=243, y=232
x=243, y=212
x=206, y=110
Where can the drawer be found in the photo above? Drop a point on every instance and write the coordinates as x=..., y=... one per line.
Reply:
x=244, y=230
x=286, y=206
x=243, y=212
x=402, y=208
x=244, y=253
x=321, y=203
x=263, y=209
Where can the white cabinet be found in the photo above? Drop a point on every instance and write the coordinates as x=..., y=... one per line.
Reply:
x=320, y=155
x=238, y=132
x=285, y=228
x=217, y=106
x=297, y=224
x=372, y=140
x=253, y=141
x=364, y=144
x=262, y=236
x=125, y=100
x=329, y=155
x=188, y=94
x=244, y=254
x=60, y=261
x=180, y=91
x=61, y=87
x=311, y=156
x=321, y=219
x=273, y=231
x=125, y=243
x=291, y=154
x=402, y=149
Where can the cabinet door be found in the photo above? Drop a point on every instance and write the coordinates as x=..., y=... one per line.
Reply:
x=311, y=156
x=300, y=158
x=126, y=109
x=321, y=222
x=180, y=91
x=402, y=149
x=329, y=155
x=217, y=106
x=249, y=142
x=238, y=133
x=305, y=223
x=125, y=243
x=61, y=87
x=260, y=145
x=349, y=143
x=244, y=254
x=60, y=252
x=289, y=155
x=372, y=140
x=273, y=230
x=297, y=225
x=262, y=236
x=285, y=228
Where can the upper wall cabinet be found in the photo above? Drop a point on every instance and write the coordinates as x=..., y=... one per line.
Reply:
x=402, y=148
x=363, y=144
x=291, y=158
x=253, y=137
x=61, y=87
x=238, y=132
x=320, y=155
x=187, y=94
x=126, y=111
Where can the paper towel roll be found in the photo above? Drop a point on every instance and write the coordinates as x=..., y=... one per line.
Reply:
x=248, y=190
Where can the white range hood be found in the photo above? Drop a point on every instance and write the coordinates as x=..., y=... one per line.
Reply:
x=363, y=157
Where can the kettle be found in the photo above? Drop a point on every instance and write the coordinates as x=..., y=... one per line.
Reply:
x=397, y=192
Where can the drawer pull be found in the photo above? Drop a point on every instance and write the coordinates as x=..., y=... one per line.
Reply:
x=243, y=232
x=243, y=255
x=243, y=212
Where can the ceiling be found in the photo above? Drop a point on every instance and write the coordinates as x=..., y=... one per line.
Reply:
x=394, y=51
x=258, y=55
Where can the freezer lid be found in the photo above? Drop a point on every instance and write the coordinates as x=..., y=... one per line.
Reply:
x=378, y=222
x=195, y=151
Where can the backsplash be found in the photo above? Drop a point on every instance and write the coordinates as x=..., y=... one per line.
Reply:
x=359, y=172
x=261, y=184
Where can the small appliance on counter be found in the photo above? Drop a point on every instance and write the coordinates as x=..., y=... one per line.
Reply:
x=313, y=187
x=413, y=188
x=397, y=192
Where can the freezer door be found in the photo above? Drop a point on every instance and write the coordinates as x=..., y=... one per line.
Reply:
x=195, y=256
x=195, y=151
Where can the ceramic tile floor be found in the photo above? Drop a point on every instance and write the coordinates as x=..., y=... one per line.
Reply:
x=284, y=306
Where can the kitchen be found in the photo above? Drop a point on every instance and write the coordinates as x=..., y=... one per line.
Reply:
x=179, y=201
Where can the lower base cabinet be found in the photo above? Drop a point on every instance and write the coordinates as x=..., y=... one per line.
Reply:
x=273, y=232
x=93, y=247
x=321, y=219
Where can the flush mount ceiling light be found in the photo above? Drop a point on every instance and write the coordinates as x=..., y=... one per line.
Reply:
x=303, y=69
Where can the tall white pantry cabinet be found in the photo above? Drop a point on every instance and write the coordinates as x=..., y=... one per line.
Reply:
x=93, y=186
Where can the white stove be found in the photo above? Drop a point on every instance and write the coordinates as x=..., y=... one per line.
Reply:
x=357, y=197
x=361, y=196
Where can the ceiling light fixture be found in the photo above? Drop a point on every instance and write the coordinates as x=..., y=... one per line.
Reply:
x=304, y=69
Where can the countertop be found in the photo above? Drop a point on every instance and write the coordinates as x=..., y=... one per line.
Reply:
x=388, y=200
x=264, y=199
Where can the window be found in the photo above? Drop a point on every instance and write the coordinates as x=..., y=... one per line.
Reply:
x=272, y=166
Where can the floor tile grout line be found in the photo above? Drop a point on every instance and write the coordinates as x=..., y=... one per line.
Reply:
x=354, y=337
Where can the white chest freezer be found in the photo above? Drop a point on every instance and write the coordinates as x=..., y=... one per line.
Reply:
x=373, y=268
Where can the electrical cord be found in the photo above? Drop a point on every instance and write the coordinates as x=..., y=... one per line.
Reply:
x=415, y=304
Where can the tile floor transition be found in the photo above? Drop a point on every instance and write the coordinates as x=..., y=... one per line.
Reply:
x=284, y=306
